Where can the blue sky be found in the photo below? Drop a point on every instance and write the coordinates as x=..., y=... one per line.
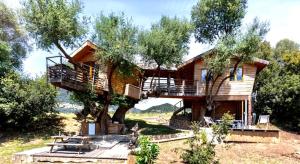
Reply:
x=283, y=16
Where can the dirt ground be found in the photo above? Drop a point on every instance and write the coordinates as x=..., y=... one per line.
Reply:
x=285, y=152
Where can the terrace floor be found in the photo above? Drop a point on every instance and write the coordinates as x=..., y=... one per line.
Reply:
x=102, y=152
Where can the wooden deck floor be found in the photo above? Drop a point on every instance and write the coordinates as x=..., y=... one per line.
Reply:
x=115, y=154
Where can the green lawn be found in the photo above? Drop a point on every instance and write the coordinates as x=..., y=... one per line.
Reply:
x=17, y=142
x=20, y=142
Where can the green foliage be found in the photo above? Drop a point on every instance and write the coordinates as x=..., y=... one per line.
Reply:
x=117, y=37
x=221, y=130
x=242, y=45
x=13, y=41
x=54, y=22
x=167, y=41
x=148, y=151
x=216, y=18
x=26, y=103
x=201, y=150
x=277, y=86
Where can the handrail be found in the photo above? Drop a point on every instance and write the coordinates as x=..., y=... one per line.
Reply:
x=58, y=71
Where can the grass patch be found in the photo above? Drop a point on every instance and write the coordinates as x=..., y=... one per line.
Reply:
x=14, y=143
x=150, y=129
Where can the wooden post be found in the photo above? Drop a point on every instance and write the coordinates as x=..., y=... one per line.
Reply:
x=249, y=110
x=242, y=110
x=61, y=69
x=168, y=84
x=246, y=112
x=47, y=71
x=197, y=88
x=183, y=86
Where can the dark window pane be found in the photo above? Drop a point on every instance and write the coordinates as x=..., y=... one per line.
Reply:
x=231, y=74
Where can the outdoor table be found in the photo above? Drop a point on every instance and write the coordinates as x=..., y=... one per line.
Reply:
x=77, y=141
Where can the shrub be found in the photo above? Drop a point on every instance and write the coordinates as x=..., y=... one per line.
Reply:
x=148, y=151
x=26, y=103
x=202, y=151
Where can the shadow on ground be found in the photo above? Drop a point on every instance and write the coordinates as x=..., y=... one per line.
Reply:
x=150, y=129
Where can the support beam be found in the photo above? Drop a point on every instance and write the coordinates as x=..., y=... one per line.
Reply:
x=246, y=113
x=249, y=110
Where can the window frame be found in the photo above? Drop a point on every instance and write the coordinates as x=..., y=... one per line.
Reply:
x=235, y=77
x=202, y=69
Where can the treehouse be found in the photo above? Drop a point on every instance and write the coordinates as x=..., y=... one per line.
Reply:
x=187, y=82
x=88, y=73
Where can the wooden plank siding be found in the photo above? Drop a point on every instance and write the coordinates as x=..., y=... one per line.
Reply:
x=243, y=87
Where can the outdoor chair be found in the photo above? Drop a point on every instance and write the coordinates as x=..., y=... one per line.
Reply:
x=208, y=121
x=264, y=119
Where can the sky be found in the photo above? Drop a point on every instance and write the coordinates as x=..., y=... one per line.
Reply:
x=282, y=15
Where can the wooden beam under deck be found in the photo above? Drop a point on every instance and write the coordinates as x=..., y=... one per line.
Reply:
x=218, y=97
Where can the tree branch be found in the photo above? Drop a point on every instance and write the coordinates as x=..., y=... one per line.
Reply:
x=227, y=77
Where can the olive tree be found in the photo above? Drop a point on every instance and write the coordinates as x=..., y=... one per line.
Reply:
x=117, y=37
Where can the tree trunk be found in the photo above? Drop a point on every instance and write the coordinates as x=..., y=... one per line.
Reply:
x=107, y=101
x=120, y=114
x=202, y=114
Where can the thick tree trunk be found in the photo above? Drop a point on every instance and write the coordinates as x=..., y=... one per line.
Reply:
x=107, y=101
x=120, y=114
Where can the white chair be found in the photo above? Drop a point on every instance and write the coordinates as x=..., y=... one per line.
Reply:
x=264, y=119
x=208, y=121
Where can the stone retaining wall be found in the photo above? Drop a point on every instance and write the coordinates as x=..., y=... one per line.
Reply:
x=182, y=121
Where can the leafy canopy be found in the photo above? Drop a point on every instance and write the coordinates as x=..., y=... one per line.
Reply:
x=277, y=86
x=243, y=46
x=117, y=37
x=54, y=22
x=166, y=42
x=26, y=103
x=216, y=18
x=13, y=41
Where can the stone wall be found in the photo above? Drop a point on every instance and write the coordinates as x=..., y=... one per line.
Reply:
x=182, y=121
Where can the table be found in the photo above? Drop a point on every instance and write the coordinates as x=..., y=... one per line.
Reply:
x=77, y=141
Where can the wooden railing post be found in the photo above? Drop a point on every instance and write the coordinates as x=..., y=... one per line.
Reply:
x=197, y=87
x=183, y=86
x=168, y=85
x=61, y=69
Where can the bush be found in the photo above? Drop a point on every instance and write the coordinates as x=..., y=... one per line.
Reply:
x=202, y=151
x=148, y=151
x=26, y=104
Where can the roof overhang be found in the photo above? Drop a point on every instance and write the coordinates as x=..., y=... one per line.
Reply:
x=87, y=48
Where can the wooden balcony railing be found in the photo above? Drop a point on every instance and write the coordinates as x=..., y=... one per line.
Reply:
x=79, y=78
x=172, y=87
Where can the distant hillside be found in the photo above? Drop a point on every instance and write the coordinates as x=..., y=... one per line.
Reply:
x=163, y=108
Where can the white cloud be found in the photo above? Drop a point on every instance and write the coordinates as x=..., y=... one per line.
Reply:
x=14, y=4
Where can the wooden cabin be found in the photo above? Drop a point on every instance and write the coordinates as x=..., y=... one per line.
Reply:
x=90, y=74
x=188, y=83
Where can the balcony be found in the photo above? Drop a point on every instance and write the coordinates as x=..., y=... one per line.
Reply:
x=66, y=76
x=169, y=87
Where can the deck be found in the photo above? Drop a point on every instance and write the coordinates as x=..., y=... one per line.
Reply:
x=63, y=75
x=110, y=151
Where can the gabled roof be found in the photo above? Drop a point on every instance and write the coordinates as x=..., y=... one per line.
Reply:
x=260, y=63
x=85, y=49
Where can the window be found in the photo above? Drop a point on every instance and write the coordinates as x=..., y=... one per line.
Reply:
x=238, y=75
x=203, y=74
